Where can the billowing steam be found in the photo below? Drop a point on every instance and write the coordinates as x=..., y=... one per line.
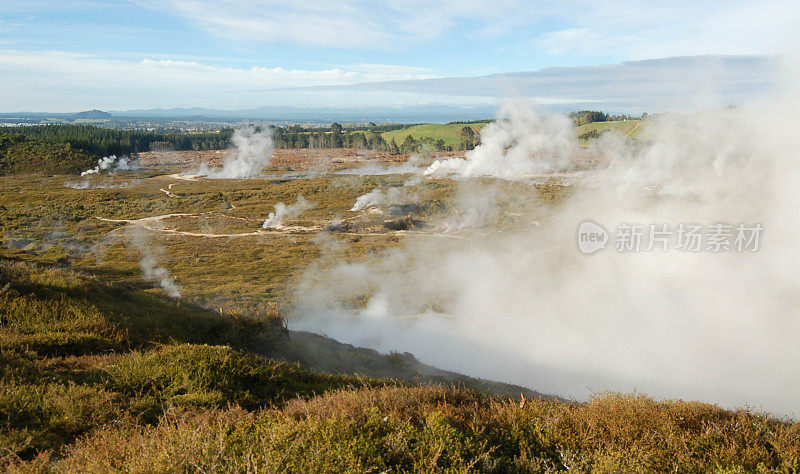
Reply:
x=282, y=211
x=112, y=164
x=526, y=306
x=376, y=197
x=413, y=165
x=151, y=270
x=252, y=154
x=518, y=143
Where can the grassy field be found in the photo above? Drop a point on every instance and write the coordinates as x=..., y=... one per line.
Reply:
x=629, y=128
x=450, y=133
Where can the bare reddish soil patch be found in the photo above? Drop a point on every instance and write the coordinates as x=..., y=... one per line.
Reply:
x=283, y=159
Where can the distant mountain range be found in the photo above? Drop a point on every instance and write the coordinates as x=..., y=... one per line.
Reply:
x=425, y=113
x=411, y=114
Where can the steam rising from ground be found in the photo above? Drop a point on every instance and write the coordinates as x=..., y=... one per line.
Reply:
x=519, y=142
x=413, y=165
x=376, y=197
x=282, y=211
x=528, y=307
x=87, y=184
x=112, y=164
x=252, y=154
x=151, y=270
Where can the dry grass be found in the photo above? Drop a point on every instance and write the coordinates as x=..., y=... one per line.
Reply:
x=57, y=224
x=433, y=429
x=68, y=404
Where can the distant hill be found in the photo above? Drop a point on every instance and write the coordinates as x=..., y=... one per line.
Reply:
x=93, y=114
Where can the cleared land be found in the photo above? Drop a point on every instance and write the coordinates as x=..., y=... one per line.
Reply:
x=450, y=133
x=629, y=128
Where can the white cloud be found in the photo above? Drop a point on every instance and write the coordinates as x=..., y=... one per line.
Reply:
x=624, y=29
x=642, y=30
x=678, y=83
x=529, y=34
x=378, y=24
x=55, y=80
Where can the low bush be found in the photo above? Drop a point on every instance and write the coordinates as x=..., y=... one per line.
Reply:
x=218, y=376
x=433, y=429
x=45, y=415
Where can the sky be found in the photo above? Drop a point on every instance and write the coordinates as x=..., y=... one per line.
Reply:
x=68, y=55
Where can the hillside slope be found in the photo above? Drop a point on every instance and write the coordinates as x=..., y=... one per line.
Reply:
x=20, y=154
x=97, y=377
x=629, y=128
x=450, y=133
x=77, y=354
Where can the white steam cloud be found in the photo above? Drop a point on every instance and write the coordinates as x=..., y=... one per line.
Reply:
x=275, y=219
x=413, y=165
x=151, y=270
x=252, y=154
x=518, y=143
x=112, y=164
x=376, y=197
x=526, y=306
x=87, y=184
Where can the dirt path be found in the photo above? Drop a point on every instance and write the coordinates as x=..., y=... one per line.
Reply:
x=633, y=130
x=151, y=224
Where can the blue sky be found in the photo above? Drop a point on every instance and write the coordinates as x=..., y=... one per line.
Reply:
x=73, y=55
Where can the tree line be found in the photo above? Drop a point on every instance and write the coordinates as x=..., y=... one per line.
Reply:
x=21, y=154
x=103, y=141
x=336, y=136
x=87, y=140
x=582, y=117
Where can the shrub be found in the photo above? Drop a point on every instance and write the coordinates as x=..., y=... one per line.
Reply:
x=60, y=312
x=433, y=429
x=216, y=375
x=42, y=416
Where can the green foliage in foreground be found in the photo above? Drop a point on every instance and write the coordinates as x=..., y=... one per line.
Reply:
x=46, y=403
x=57, y=312
x=215, y=376
x=98, y=378
x=76, y=355
x=434, y=429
